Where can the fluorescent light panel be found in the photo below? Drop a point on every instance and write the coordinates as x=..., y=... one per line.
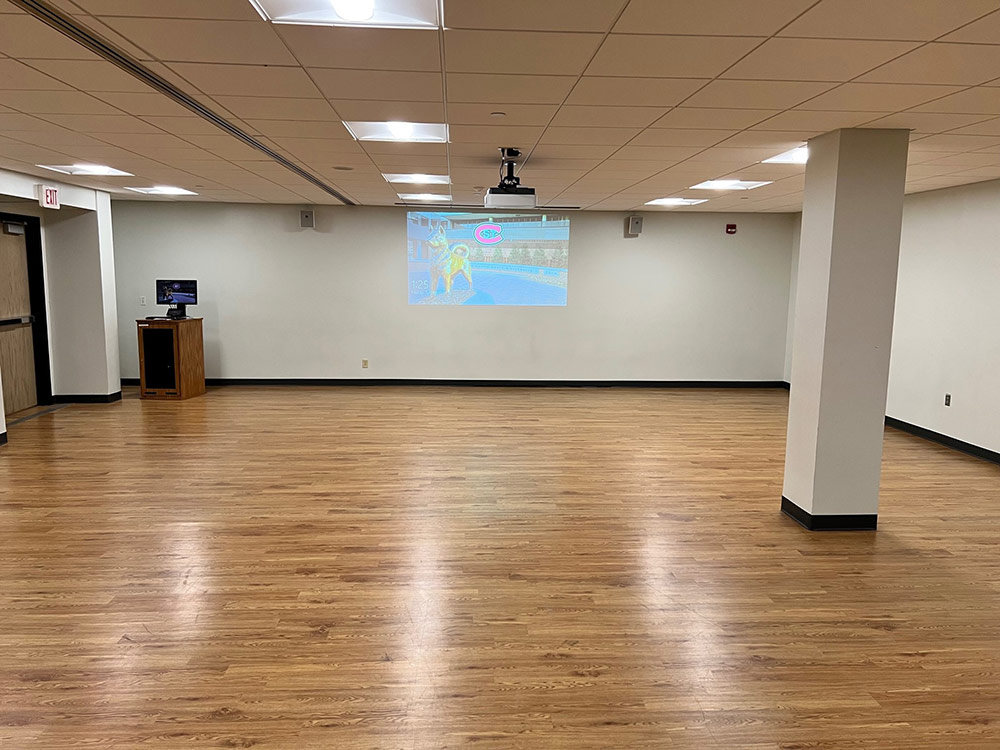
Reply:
x=399, y=132
x=676, y=201
x=396, y=14
x=424, y=197
x=161, y=190
x=418, y=179
x=728, y=185
x=798, y=155
x=91, y=170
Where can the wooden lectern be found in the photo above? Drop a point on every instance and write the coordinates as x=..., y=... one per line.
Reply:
x=171, y=358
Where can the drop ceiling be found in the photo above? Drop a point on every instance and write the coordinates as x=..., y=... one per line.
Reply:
x=614, y=102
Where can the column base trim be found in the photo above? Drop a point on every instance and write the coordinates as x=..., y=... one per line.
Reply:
x=846, y=522
x=88, y=398
x=3, y=438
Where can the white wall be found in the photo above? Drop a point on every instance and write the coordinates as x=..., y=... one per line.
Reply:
x=684, y=301
x=947, y=332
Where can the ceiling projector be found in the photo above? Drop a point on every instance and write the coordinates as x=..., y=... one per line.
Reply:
x=509, y=193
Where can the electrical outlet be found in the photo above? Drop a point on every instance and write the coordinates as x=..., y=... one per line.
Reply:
x=142, y=301
x=947, y=399
x=364, y=364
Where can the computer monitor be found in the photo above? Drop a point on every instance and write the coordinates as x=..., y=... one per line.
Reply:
x=177, y=293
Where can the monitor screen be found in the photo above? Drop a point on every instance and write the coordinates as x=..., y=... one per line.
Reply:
x=176, y=292
x=483, y=258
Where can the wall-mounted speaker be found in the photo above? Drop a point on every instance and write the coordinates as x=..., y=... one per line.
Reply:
x=633, y=226
x=307, y=219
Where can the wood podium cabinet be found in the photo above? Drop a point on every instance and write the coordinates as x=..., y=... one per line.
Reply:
x=171, y=358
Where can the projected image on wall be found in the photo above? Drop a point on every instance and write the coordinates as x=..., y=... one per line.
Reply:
x=487, y=259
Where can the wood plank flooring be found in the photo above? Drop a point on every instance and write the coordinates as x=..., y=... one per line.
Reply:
x=425, y=568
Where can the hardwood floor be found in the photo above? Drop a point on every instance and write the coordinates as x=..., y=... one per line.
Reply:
x=423, y=568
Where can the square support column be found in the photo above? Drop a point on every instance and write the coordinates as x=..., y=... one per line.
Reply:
x=851, y=219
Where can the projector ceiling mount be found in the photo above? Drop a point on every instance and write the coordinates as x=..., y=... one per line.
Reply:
x=508, y=193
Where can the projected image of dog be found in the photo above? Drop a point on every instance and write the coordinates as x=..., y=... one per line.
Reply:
x=448, y=262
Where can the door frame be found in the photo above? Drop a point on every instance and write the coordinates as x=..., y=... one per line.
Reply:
x=36, y=293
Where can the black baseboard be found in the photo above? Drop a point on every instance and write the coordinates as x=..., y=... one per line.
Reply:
x=490, y=383
x=3, y=438
x=88, y=398
x=937, y=437
x=851, y=522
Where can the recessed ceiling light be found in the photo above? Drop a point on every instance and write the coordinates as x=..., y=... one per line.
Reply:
x=92, y=170
x=418, y=179
x=676, y=201
x=399, y=14
x=399, y=132
x=161, y=190
x=798, y=155
x=728, y=185
x=355, y=10
x=424, y=197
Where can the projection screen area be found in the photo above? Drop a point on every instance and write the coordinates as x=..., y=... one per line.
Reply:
x=487, y=259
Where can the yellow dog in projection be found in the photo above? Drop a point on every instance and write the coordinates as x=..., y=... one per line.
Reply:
x=448, y=262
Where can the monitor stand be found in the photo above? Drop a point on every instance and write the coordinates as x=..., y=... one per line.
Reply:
x=177, y=312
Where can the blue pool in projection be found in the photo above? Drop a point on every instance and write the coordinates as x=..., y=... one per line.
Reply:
x=487, y=259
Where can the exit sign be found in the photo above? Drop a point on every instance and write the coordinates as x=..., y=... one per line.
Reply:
x=48, y=196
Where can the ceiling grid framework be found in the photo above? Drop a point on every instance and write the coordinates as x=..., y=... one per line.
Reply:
x=618, y=102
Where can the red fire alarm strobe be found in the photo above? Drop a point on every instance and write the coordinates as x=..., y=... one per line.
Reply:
x=730, y=229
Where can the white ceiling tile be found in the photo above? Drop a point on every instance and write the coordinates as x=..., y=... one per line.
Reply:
x=377, y=85
x=944, y=63
x=100, y=124
x=651, y=92
x=886, y=19
x=25, y=37
x=712, y=119
x=589, y=136
x=300, y=129
x=532, y=52
x=926, y=122
x=16, y=75
x=57, y=102
x=756, y=94
x=90, y=75
x=990, y=127
x=144, y=104
x=736, y=17
x=668, y=155
x=514, y=114
x=239, y=10
x=815, y=59
x=248, y=80
x=278, y=108
x=979, y=100
x=984, y=31
x=955, y=143
x=876, y=97
x=519, y=89
x=668, y=56
x=816, y=120
x=776, y=141
x=545, y=151
x=184, y=40
x=521, y=136
x=363, y=48
x=187, y=125
x=606, y=117
x=551, y=15
x=681, y=137
x=388, y=111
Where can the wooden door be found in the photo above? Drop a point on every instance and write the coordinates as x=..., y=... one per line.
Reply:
x=17, y=354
